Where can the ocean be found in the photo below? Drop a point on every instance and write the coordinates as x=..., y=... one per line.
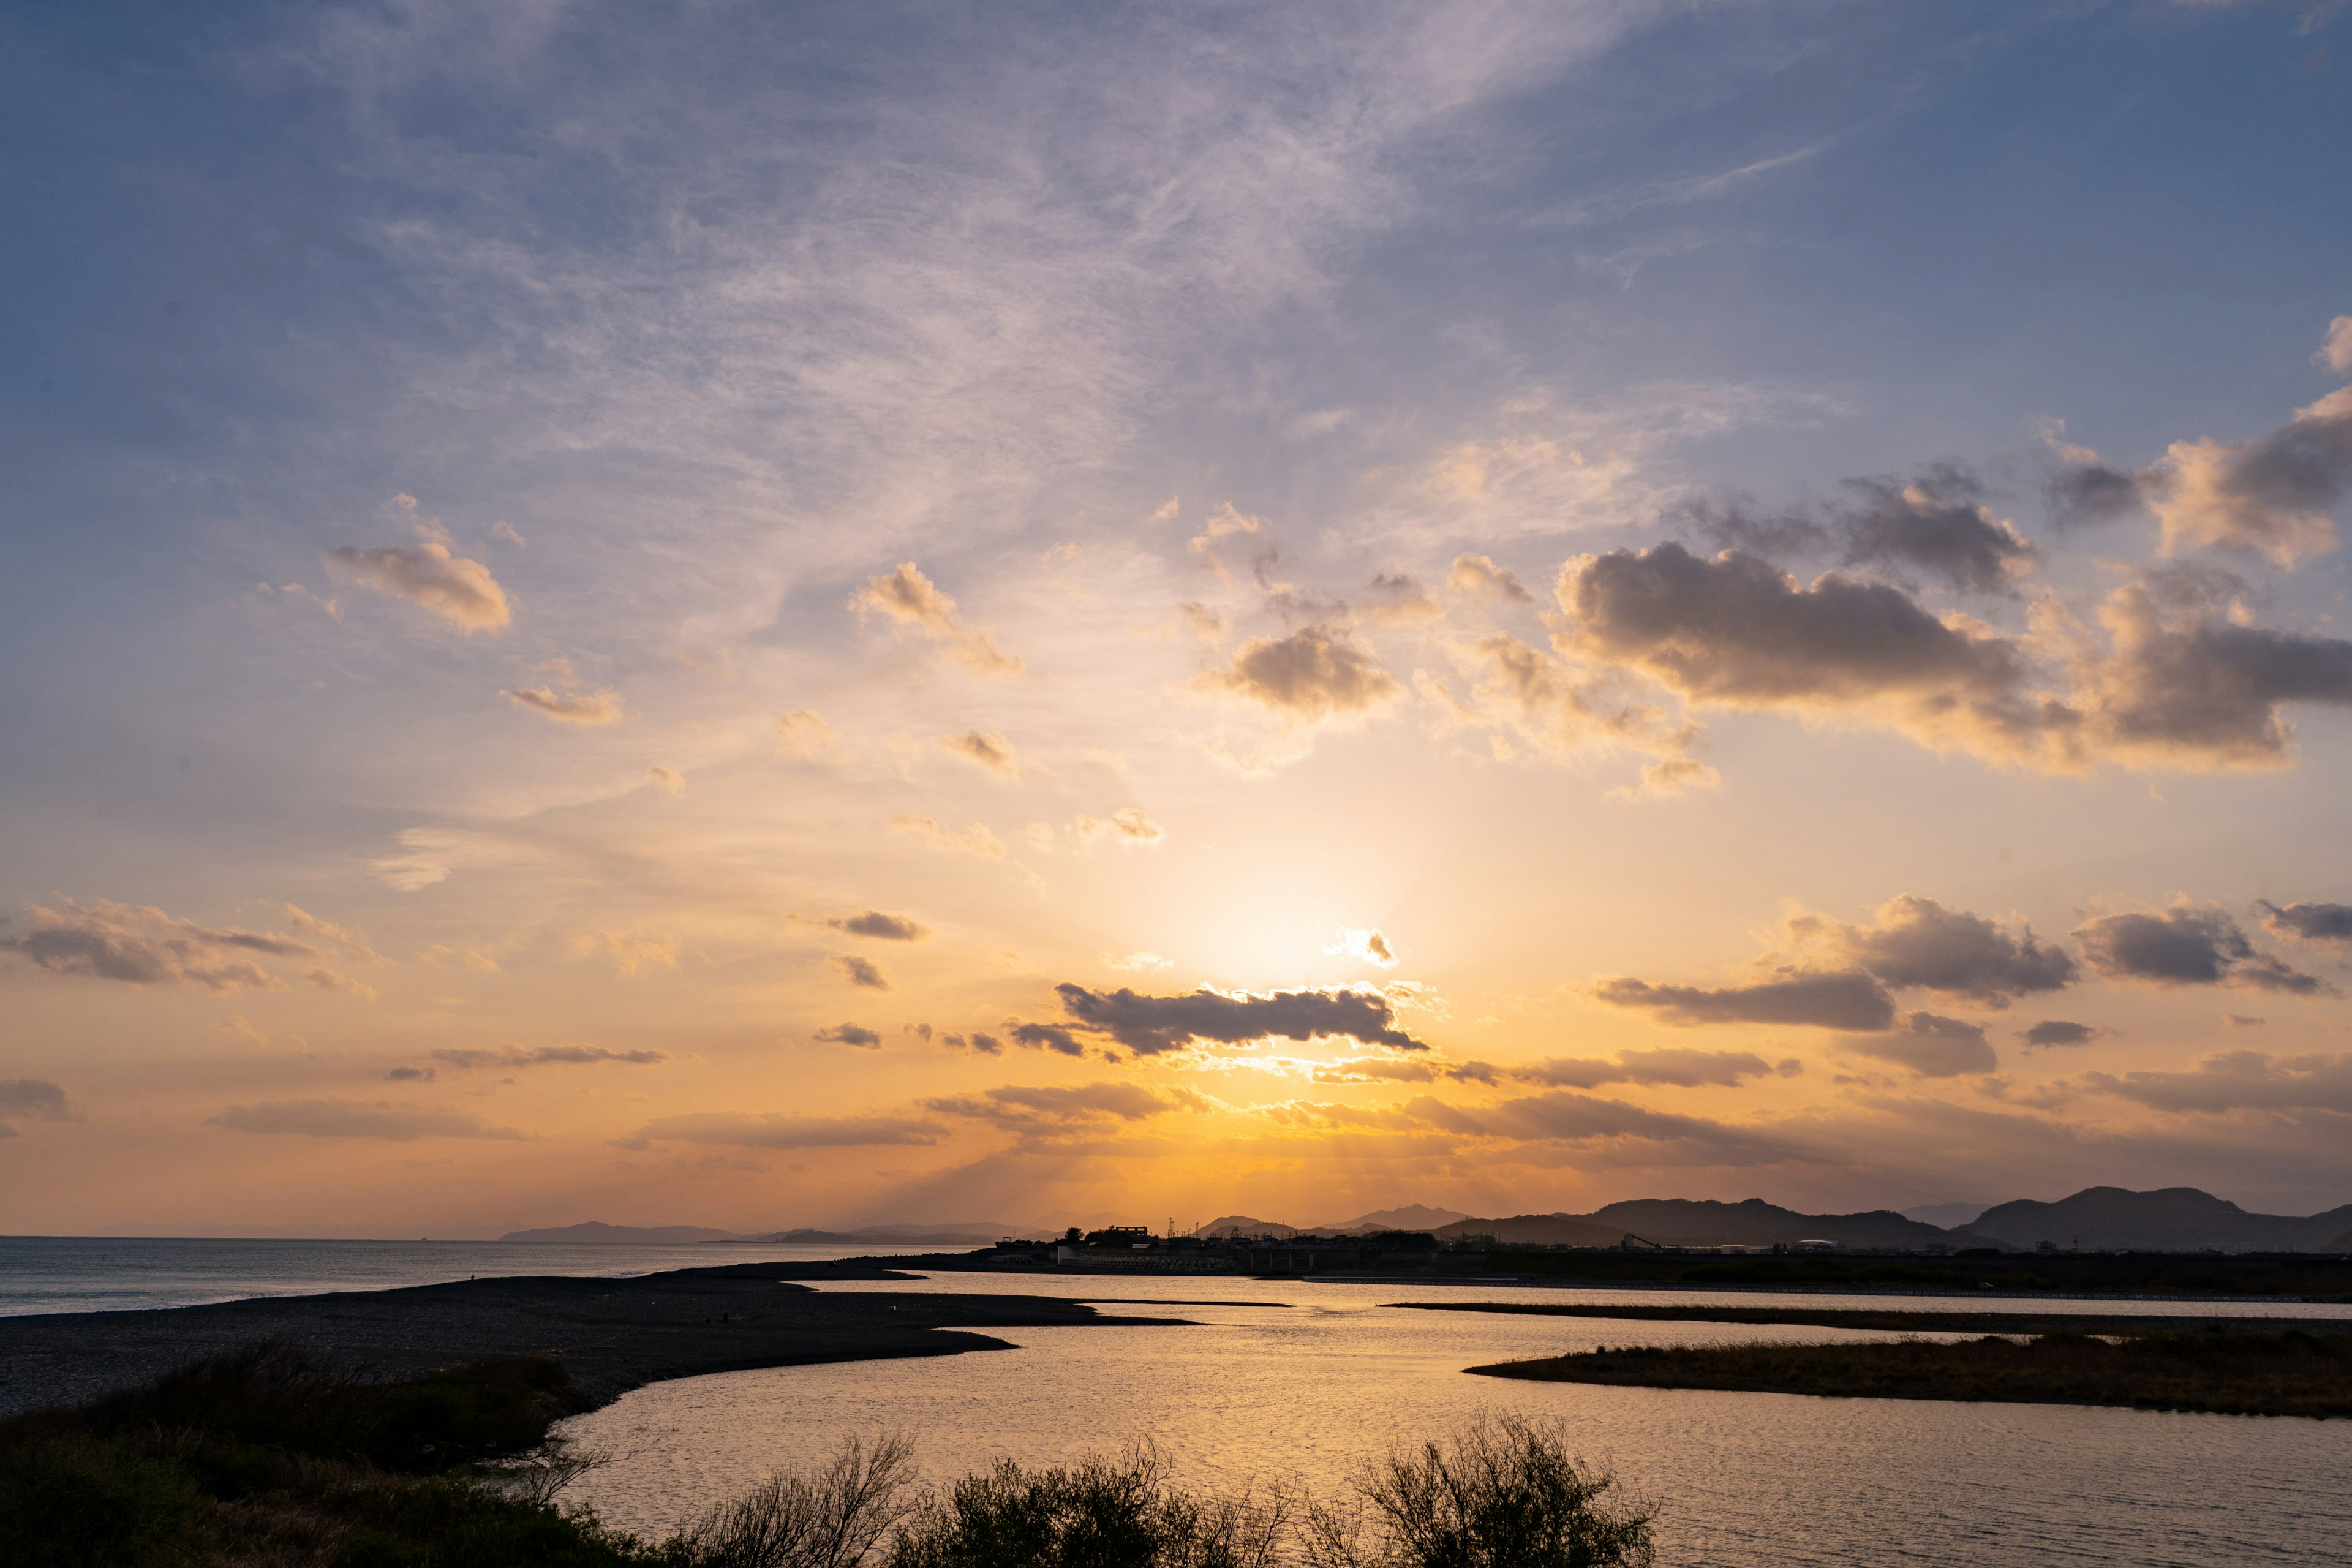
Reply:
x=111, y=1274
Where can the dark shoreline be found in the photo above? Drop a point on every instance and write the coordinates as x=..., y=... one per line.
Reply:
x=609, y=1335
x=1898, y=1320
x=2229, y=1373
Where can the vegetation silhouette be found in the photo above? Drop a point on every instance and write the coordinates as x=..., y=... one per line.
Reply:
x=271, y=1457
x=2231, y=1371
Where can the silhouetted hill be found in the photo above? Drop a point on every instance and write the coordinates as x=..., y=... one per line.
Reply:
x=1243, y=1224
x=1702, y=1222
x=597, y=1231
x=1413, y=1216
x=2172, y=1219
x=1538, y=1230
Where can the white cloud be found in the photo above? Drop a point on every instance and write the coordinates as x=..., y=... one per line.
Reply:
x=973, y=840
x=909, y=597
x=986, y=749
x=804, y=734
x=1365, y=947
x=1130, y=828
x=2335, y=350
x=585, y=708
x=426, y=574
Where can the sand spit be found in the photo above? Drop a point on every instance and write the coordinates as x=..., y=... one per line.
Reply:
x=610, y=1335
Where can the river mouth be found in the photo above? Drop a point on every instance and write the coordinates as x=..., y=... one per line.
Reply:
x=1305, y=1382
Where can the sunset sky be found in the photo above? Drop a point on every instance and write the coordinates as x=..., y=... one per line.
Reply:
x=782, y=616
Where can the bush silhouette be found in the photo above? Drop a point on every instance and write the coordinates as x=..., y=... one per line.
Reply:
x=1505, y=1494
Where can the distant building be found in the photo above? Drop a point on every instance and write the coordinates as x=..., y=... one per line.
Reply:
x=1129, y=1235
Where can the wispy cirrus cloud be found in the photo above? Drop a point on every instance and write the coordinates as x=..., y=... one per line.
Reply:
x=781, y=1129
x=975, y=839
x=1059, y=1107
x=804, y=734
x=1671, y=1066
x=394, y=1122
x=470, y=1058
x=1130, y=828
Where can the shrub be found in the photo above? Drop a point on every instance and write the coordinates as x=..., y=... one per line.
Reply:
x=1501, y=1495
x=1098, y=1515
x=831, y=1520
x=69, y=1501
x=275, y=1396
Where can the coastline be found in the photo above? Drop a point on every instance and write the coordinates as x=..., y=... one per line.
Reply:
x=609, y=1335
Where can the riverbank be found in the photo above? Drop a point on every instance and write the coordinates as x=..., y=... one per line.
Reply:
x=1898, y=1320
x=608, y=1336
x=2235, y=1372
x=2136, y=1275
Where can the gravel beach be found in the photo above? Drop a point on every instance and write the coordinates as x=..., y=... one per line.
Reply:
x=610, y=1335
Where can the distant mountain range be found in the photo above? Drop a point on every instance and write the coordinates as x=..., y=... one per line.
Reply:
x=1537, y=1230
x=1755, y=1223
x=2099, y=1220
x=1413, y=1216
x=2173, y=1219
x=2104, y=1219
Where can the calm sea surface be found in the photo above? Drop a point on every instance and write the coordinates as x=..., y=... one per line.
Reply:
x=1311, y=1387
x=99, y=1274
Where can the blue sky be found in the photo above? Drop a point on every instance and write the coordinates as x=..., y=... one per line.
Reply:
x=1183, y=354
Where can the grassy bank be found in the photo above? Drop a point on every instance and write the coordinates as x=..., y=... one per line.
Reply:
x=272, y=1458
x=2237, y=1373
x=269, y=1457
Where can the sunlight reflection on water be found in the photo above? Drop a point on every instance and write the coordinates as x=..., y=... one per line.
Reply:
x=1312, y=1389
